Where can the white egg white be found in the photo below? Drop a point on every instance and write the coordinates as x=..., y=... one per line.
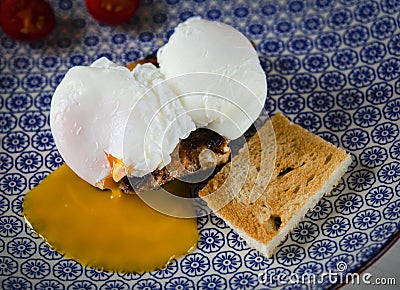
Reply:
x=228, y=89
x=209, y=76
x=105, y=108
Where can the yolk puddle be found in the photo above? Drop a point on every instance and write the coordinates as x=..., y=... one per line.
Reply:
x=104, y=230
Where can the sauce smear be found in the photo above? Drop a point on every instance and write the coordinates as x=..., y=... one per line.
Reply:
x=108, y=231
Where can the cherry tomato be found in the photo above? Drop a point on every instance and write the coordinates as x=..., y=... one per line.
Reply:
x=112, y=11
x=26, y=19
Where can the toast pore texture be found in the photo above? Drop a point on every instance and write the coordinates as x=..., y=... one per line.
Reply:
x=305, y=168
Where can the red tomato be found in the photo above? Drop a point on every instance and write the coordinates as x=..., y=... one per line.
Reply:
x=112, y=11
x=26, y=19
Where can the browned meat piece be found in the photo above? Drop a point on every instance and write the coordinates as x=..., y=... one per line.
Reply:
x=150, y=58
x=198, y=154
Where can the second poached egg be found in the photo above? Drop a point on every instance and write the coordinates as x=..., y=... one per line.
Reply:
x=217, y=72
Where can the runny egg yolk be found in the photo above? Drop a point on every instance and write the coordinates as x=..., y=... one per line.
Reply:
x=118, y=171
x=118, y=168
x=106, y=231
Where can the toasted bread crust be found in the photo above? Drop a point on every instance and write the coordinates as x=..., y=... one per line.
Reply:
x=304, y=163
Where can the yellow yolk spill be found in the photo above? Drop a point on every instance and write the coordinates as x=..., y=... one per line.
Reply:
x=118, y=168
x=107, y=231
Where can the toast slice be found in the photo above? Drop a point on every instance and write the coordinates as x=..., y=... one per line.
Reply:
x=306, y=167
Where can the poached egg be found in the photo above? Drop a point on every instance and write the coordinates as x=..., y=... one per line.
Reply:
x=105, y=114
x=108, y=121
x=217, y=72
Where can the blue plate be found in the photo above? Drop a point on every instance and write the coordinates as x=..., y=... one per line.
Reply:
x=333, y=67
